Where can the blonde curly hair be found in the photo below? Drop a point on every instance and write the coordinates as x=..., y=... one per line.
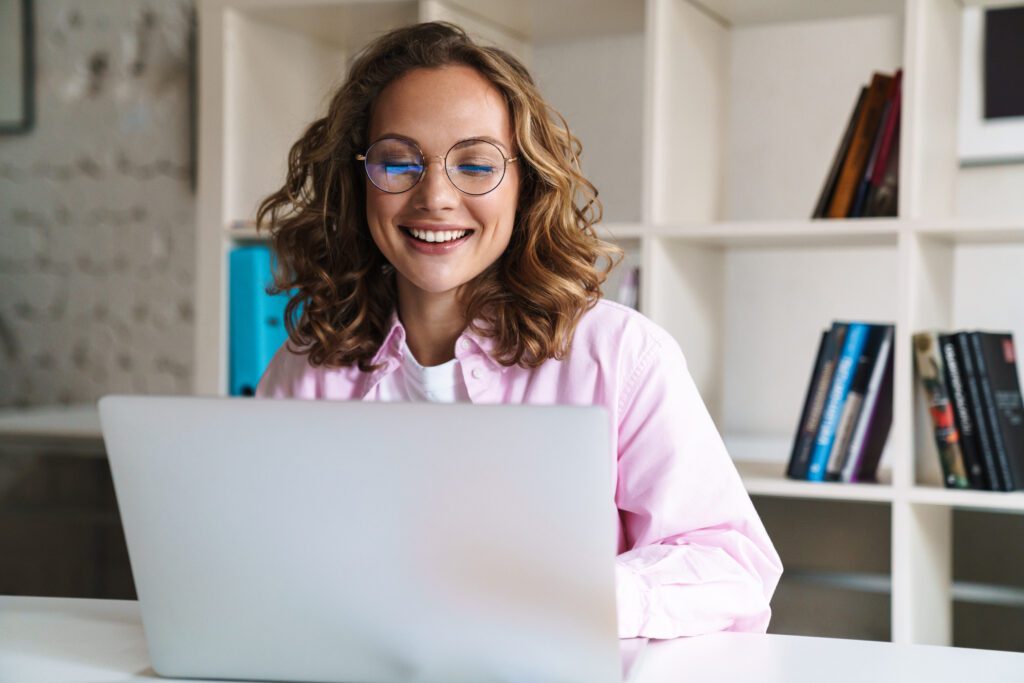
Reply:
x=529, y=301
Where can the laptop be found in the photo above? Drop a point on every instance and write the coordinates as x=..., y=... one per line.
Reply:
x=327, y=541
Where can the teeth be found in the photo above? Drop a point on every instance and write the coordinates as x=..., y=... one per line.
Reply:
x=438, y=235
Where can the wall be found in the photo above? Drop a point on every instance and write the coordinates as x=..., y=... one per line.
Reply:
x=96, y=209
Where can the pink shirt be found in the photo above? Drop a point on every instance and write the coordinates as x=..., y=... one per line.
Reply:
x=694, y=556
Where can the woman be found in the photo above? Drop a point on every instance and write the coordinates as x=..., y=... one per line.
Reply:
x=439, y=235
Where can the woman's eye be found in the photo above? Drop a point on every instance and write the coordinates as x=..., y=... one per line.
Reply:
x=475, y=169
x=402, y=167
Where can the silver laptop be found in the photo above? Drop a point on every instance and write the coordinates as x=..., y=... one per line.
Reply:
x=380, y=543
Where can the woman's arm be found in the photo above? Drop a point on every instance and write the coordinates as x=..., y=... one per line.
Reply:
x=697, y=557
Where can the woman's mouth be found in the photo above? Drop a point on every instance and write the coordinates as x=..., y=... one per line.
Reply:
x=435, y=241
x=436, y=236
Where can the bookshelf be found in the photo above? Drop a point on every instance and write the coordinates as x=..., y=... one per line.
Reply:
x=708, y=127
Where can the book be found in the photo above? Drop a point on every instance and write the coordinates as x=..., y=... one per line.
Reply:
x=996, y=364
x=629, y=288
x=873, y=171
x=814, y=403
x=872, y=430
x=860, y=146
x=256, y=319
x=882, y=198
x=821, y=208
x=962, y=417
x=928, y=363
x=853, y=344
x=854, y=403
x=965, y=355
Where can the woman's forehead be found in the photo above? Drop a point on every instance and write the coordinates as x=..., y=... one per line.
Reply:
x=438, y=107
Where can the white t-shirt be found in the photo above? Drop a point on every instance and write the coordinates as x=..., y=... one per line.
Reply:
x=414, y=382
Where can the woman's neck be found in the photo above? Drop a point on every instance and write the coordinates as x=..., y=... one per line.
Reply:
x=433, y=322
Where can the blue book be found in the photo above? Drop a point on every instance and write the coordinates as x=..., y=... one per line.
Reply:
x=257, y=326
x=856, y=335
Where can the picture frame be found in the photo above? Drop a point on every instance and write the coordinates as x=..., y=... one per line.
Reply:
x=982, y=141
x=17, y=67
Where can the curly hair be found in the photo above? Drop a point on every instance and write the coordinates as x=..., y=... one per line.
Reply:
x=529, y=301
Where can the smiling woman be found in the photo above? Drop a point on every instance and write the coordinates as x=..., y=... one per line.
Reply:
x=439, y=234
x=363, y=177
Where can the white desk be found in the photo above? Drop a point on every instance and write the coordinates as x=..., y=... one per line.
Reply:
x=93, y=641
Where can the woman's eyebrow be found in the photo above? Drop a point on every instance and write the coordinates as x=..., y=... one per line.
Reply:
x=406, y=138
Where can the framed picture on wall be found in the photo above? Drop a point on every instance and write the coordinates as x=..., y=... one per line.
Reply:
x=17, y=72
x=991, y=128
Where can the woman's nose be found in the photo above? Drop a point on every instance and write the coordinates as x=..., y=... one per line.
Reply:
x=435, y=191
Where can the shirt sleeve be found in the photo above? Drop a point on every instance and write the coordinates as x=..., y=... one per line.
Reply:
x=697, y=557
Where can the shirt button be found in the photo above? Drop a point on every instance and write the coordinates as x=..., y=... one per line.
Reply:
x=477, y=373
x=463, y=345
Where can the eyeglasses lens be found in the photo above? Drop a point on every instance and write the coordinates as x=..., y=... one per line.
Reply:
x=393, y=165
x=474, y=166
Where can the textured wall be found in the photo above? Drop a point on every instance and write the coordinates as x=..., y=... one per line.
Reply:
x=96, y=211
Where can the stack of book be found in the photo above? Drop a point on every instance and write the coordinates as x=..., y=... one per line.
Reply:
x=970, y=385
x=862, y=180
x=848, y=410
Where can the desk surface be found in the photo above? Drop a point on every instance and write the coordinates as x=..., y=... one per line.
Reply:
x=79, y=641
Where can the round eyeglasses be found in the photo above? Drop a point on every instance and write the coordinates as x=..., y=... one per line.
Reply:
x=474, y=166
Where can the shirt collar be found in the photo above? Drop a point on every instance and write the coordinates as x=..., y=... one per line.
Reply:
x=394, y=340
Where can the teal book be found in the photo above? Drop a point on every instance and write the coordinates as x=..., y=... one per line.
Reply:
x=853, y=346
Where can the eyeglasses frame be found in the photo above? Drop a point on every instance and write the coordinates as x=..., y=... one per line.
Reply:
x=444, y=163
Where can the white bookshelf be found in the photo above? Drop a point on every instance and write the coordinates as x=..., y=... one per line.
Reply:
x=709, y=128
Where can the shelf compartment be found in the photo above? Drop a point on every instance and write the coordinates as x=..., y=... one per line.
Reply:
x=750, y=343
x=961, y=282
x=765, y=96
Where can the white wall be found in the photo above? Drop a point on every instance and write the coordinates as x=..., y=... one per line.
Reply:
x=593, y=83
x=96, y=214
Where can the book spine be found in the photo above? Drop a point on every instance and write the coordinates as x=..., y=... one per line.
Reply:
x=961, y=413
x=852, y=347
x=947, y=439
x=814, y=403
x=825, y=198
x=860, y=198
x=877, y=430
x=853, y=405
x=976, y=410
x=988, y=404
x=860, y=147
x=873, y=399
x=891, y=125
x=991, y=404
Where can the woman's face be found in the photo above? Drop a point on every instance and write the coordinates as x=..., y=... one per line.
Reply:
x=436, y=109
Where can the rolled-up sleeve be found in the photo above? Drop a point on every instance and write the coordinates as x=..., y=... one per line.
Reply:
x=695, y=557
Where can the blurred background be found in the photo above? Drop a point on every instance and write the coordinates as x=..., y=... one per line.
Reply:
x=136, y=137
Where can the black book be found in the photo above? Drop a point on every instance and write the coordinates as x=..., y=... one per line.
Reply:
x=821, y=208
x=817, y=392
x=867, y=453
x=969, y=444
x=854, y=403
x=996, y=363
x=976, y=409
